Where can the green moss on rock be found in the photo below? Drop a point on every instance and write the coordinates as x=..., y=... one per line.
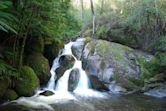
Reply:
x=10, y=94
x=27, y=83
x=40, y=65
x=3, y=86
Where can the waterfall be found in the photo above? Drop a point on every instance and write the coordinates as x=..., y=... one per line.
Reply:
x=82, y=87
x=62, y=84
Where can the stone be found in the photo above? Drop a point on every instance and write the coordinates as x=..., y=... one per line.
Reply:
x=73, y=79
x=40, y=65
x=10, y=95
x=4, y=83
x=110, y=61
x=27, y=83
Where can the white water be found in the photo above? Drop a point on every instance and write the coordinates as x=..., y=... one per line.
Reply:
x=60, y=90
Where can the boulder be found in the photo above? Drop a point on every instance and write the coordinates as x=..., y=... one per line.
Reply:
x=10, y=95
x=73, y=79
x=40, y=65
x=27, y=82
x=110, y=62
x=65, y=62
x=4, y=83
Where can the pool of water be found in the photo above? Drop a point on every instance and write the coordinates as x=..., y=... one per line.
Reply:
x=111, y=103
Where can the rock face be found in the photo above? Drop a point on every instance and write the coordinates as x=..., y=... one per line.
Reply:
x=40, y=65
x=110, y=62
x=27, y=83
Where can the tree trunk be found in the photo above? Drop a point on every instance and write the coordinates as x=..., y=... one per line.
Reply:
x=93, y=16
x=102, y=6
x=83, y=18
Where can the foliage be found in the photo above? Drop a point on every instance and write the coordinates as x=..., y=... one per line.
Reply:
x=7, y=71
x=6, y=17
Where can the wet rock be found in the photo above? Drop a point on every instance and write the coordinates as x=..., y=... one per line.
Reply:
x=47, y=93
x=60, y=71
x=78, y=47
x=65, y=62
x=73, y=79
x=159, y=92
x=97, y=84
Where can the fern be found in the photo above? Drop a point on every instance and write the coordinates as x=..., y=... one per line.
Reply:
x=7, y=71
x=6, y=18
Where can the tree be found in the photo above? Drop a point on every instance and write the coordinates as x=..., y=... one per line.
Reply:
x=93, y=16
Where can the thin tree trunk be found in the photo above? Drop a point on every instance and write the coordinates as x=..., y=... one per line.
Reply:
x=93, y=15
x=102, y=6
x=83, y=17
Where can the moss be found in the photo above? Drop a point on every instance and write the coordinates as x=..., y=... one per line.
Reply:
x=103, y=47
x=27, y=83
x=10, y=94
x=40, y=65
x=4, y=83
x=146, y=67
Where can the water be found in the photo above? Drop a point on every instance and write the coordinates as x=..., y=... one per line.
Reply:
x=112, y=103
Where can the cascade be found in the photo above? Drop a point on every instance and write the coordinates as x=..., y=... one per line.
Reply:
x=62, y=84
x=82, y=88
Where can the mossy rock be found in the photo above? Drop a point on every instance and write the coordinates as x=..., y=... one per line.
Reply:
x=40, y=65
x=3, y=86
x=47, y=93
x=35, y=44
x=10, y=94
x=27, y=82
